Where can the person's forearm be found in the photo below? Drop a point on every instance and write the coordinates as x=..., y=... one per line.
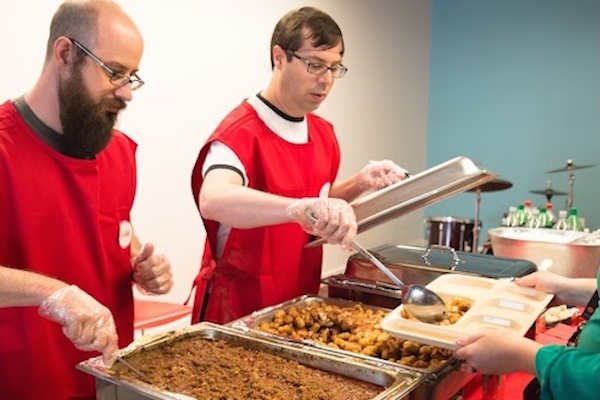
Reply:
x=579, y=291
x=19, y=288
x=348, y=189
x=243, y=208
x=526, y=355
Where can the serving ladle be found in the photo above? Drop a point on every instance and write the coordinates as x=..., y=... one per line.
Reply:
x=420, y=302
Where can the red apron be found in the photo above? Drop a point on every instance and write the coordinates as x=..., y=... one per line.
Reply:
x=60, y=217
x=264, y=266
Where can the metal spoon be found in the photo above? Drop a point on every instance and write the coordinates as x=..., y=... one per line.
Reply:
x=420, y=302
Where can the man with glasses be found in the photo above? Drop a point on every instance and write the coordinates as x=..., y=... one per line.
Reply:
x=68, y=182
x=262, y=180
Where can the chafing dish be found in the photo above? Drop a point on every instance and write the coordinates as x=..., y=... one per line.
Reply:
x=362, y=281
x=398, y=383
x=436, y=383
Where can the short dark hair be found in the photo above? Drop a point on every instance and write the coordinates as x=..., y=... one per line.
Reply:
x=289, y=32
x=77, y=20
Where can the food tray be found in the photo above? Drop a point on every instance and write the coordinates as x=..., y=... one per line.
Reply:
x=397, y=383
x=252, y=322
x=496, y=304
x=432, y=185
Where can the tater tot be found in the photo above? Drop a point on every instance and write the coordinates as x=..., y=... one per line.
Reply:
x=299, y=322
x=356, y=329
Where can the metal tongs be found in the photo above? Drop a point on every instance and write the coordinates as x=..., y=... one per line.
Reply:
x=139, y=373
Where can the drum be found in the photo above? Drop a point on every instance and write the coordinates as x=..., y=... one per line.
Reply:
x=452, y=232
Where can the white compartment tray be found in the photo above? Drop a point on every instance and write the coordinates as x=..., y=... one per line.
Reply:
x=496, y=304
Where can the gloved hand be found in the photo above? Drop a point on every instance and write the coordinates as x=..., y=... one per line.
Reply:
x=152, y=272
x=379, y=174
x=86, y=322
x=329, y=218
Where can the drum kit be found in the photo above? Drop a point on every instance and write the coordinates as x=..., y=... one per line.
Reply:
x=463, y=234
x=549, y=192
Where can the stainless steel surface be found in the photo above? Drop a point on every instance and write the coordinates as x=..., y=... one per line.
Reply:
x=418, y=265
x=398, y=382
x=427, y=187
x=565, y=253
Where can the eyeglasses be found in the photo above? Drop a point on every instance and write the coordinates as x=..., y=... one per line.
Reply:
x=320, y=69
x=116, y=78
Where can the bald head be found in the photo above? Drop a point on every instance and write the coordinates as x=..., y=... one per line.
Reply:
x=84, y=20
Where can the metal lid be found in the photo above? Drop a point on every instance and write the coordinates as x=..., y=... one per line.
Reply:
x=430, y=186
x=445, y=259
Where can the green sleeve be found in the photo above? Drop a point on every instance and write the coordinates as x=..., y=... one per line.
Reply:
x=568, y=373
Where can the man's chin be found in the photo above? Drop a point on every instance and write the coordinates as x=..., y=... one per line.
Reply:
x=112, y=118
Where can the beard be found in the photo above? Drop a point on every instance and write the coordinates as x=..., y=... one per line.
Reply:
x=87, y=125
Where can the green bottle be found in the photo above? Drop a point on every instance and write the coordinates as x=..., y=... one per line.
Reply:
x=573, y=221
x=521, y=216
x=543, y=218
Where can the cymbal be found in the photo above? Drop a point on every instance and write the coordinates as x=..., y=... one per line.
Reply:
x=549, y=192
x=492, y=186
x=570, y=167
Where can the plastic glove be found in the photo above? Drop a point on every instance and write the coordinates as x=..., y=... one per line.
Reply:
x=329, y=218
x=86, y=322
x=152, y=272
x=379, y=174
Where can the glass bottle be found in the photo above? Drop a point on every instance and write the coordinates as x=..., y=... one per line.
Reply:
x=573, y=222
x=561, y=223
x=551, y=217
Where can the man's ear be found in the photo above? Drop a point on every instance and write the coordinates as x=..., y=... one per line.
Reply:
x=279, y=55
x=62, y=51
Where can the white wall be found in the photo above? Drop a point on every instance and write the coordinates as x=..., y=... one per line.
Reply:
x=203, y=57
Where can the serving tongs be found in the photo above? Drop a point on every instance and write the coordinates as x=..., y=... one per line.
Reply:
x=139, y=373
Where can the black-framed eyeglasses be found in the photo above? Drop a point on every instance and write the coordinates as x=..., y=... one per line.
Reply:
x=116, y=78
x=320, y=69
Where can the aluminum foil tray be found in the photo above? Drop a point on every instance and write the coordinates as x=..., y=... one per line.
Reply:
x=398, y=383
x=252, y=322
x=496, y=304
x=432, y=185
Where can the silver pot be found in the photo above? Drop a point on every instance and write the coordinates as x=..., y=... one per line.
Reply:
x=572, y=254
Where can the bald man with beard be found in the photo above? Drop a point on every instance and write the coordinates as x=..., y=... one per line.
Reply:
x=68, y=252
